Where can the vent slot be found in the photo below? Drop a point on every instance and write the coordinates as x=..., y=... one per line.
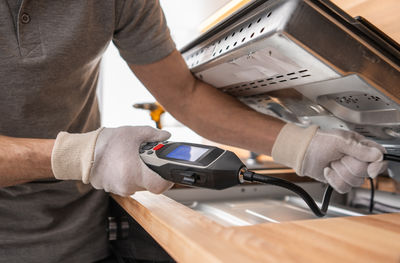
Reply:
x=271, y=81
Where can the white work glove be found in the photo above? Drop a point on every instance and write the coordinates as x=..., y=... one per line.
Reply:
x=108, y=159
x=338, y=157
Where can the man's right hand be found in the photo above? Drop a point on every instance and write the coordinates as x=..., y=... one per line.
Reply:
x=109, y=159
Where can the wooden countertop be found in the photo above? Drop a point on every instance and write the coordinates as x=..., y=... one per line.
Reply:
x=188, y=236
x=384, y=14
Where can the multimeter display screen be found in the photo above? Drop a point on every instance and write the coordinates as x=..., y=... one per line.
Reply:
x=187, y=153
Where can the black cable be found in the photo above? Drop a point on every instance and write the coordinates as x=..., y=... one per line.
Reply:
x=391, y=157
x=326, y=198
x=320, y=212
x=371, y=200
x=251, y=176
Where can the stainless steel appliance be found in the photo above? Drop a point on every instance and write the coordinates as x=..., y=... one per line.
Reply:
x=306, y=62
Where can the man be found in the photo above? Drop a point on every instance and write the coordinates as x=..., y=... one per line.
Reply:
x=50, y=53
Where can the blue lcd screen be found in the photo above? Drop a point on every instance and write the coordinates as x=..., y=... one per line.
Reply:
x=187, y=153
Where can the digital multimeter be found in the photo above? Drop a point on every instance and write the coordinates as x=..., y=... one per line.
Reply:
x=193, y=164
x=214, y=168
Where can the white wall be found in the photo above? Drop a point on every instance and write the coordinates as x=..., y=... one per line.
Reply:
x=120, y=89
x=185, y=16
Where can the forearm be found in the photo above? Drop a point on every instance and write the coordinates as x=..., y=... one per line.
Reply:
x=222, y=118
x=23, y=160
x=206, y=110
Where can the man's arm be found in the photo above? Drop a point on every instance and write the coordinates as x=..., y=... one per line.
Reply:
x=341, y=158
x=23, y=160
x=206, y=110
x=109, y=158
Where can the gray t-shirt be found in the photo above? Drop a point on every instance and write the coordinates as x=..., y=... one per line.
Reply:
x=50, y=53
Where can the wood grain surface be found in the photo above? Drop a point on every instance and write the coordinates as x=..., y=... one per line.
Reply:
x=384, y=14
x=188, y=236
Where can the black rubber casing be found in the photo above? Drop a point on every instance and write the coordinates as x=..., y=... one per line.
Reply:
x=222, y=173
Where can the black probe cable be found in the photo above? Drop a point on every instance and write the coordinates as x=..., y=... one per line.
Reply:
x=386, y=157
x=320, y=212
x=391, y=157
x=371, y=199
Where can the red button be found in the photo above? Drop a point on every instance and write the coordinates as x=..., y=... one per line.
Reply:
x=158, y=147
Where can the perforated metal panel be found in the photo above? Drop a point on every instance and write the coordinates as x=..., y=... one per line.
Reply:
x=239, y=36
x=304, y=61
x=266, y=84
x=361, y=108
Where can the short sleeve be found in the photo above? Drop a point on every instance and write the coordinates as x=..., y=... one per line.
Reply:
x=141, y=33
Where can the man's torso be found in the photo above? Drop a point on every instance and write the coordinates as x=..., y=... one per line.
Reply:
x=50, y=52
